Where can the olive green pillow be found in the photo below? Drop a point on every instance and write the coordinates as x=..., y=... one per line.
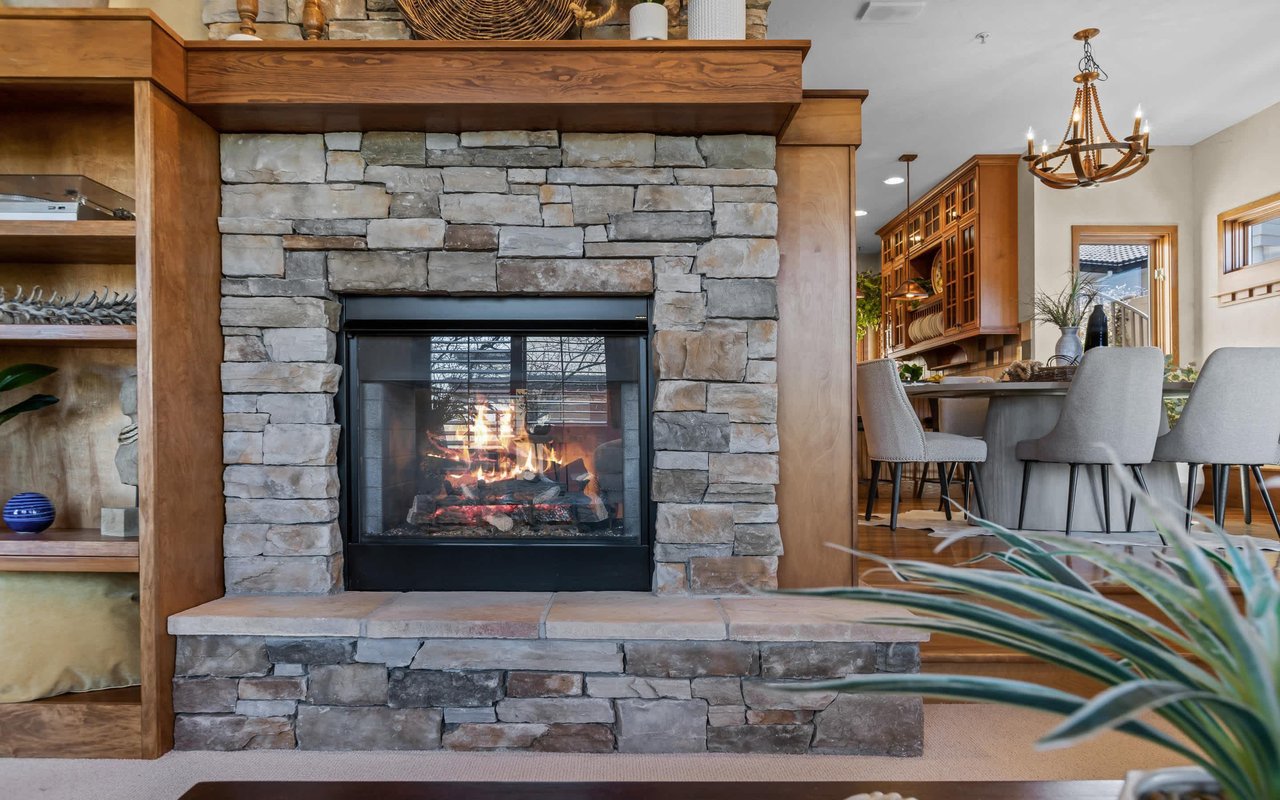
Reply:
x=67, y=632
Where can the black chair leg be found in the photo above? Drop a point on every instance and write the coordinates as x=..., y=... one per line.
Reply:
x=897, y=494
x=1266, y=497
x=1245, y=499
x=943, y=505
x=1142, y=483
x=871, y=488
x=977, y=489
x=1222, y=475
x=944, y=478
x=1105, y=470
x=1193, y=472
x=920, y=480
x=1071, y=495
x=964, y=492
x=1026, y=481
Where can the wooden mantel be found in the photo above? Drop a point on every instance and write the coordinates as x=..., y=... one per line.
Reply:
x=684, y=87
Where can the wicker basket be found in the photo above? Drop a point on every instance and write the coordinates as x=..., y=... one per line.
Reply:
x=489, y=19
x=1056, y=373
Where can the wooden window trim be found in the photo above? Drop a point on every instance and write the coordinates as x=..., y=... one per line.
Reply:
x=1239, y=281
x=1163, y=241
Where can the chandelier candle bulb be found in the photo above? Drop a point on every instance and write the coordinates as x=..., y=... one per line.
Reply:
x=1137, y=120
x=1031, y=141
x=1075, y=123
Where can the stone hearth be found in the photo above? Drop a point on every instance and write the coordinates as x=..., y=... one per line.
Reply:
x=569, y=672
x=687, y=221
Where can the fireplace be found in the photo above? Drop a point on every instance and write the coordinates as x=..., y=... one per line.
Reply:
x=495, y=443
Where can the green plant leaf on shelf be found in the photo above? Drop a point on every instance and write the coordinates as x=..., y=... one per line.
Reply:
x=33, y=403
x=20, y=375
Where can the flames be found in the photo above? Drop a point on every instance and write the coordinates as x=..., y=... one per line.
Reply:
x=499, y=447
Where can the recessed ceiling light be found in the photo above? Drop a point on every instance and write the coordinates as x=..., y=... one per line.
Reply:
x=894, y=180
x=861, y=212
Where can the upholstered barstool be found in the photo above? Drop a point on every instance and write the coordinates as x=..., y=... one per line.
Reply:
x=1230, y=419
x=1111, y=413
x=895, y=436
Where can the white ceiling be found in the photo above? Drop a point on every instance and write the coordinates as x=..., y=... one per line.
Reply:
x=1197, y=66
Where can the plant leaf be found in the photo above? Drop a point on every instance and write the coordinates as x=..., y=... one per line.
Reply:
x=20, y=375
x=33, y=403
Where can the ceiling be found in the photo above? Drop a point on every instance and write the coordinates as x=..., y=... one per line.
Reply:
x=936, y=90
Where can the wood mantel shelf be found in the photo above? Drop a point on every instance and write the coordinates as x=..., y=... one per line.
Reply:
x=676, y=87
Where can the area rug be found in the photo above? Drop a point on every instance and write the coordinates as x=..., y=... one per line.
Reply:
x=936, y=524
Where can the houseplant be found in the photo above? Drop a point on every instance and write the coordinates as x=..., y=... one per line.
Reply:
x=869, y=312
x=1067, y=310
x=649, y=20
x=1207, y=666
x=26, y=512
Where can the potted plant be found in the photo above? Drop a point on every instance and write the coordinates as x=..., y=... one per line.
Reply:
x=649, y=20
x=1066, y=310
x=1206, y=661
x=869, y=313
x=26, y=512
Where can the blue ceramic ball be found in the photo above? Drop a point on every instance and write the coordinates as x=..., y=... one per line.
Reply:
x=29, y=512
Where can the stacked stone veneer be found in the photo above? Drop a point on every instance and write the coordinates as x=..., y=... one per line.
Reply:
x=248, y=692
x=381, y=19
x=690, y=221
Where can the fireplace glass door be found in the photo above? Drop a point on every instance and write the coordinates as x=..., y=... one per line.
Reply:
x=496, y=458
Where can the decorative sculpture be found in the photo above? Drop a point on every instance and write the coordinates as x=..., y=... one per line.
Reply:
x=124, y=521
x=312, y=20
x=109, y=308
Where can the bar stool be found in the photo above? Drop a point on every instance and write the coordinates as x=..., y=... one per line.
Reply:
x=1230, y=419
x=895, y=436
x=1111, y=413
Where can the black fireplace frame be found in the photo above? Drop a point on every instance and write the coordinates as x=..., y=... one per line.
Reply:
x=484, y=565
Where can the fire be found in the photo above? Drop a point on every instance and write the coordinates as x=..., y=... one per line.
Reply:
x=497, y=438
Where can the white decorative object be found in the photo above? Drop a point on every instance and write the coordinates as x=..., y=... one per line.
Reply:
x=649, y=21
x=717, y=19
x=1069, y=346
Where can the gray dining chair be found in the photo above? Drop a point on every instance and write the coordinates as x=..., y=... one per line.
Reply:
x=1111, y=413
x=963, y=416
x=1229, y=420
x=895, y=436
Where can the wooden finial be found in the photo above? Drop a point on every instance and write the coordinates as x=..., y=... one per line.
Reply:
x=248, y=11
x=312, y=20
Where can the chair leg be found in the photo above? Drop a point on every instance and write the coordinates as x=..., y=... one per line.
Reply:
x=1266, y=497
x=964, y=492
x=1026, y=482
x=871, y=488
x=1193, y=471
x=920, y=480
x=1222, y=474
x=1245, y=499
x=944, y=477
x=1105, y=470
x=897, y=494
x=1142, y=482
x=1071, y=495
x=943, y=505
x=977, y=490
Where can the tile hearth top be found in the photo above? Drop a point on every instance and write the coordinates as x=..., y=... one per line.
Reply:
x=543, y=615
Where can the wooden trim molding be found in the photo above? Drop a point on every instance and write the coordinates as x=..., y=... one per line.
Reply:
x=1239, y=281
x=1163, y=241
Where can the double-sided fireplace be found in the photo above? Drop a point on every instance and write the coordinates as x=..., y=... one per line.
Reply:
x=495, y=443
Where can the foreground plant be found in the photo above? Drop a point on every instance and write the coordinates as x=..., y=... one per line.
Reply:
x=20, y=375
x=1207, y=665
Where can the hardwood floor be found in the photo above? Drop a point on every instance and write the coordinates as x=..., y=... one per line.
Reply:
x=952, y=655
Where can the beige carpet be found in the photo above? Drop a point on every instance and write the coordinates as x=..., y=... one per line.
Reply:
x=962, y=742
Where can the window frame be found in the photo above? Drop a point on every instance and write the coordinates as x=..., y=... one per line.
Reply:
x=1238, y=280
x=1162, y=241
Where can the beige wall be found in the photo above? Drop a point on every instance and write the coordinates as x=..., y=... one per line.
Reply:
x=181, y=15
x=1160, y=194
x=1233, y=167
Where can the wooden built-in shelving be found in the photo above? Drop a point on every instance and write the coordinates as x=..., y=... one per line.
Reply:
x=67, y=550
x=70, y=335
x=82, y=242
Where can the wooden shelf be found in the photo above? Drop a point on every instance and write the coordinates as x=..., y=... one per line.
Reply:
x=81, y=242
x=949, y=339
x=70, y=335
x=102, y=724
x=67, y=550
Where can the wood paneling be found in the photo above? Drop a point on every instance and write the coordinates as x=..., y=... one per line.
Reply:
x=101, y=724
x=815, y=355
x=827, y=117
x=179, y=391
x=665, y=87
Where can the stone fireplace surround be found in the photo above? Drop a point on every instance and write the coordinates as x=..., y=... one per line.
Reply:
x=288, y=660
x=689, y=221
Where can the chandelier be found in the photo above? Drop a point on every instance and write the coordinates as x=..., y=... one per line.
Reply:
x=1089, y=153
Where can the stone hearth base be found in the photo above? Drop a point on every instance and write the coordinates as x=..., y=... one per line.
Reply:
x=570, y=672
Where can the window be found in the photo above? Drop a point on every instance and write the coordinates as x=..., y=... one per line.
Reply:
x=1249, y=251
x=1135, y=270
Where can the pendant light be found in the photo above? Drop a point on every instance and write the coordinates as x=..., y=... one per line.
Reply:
x=910, y=289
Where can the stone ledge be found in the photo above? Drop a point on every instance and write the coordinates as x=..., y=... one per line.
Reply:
x=575, y=616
